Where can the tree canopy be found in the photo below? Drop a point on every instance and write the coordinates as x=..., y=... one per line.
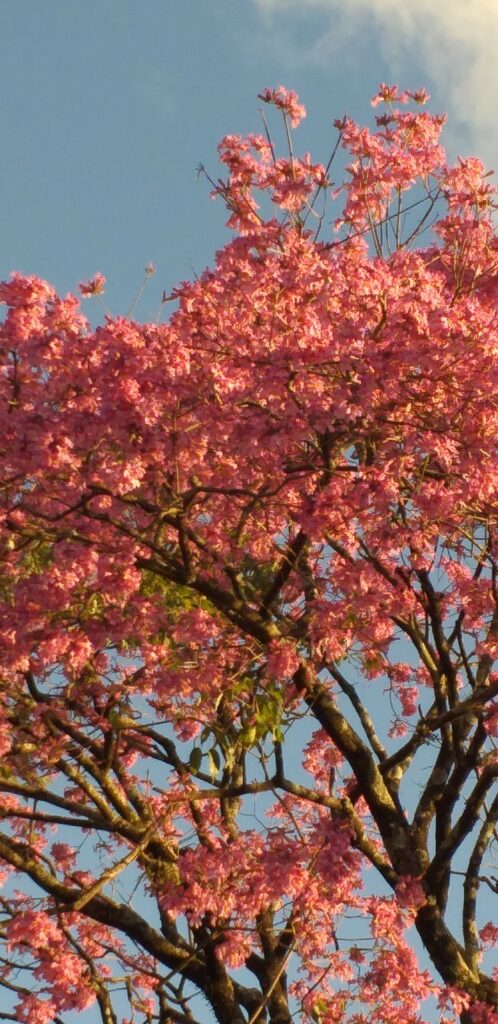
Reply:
x=249, y=609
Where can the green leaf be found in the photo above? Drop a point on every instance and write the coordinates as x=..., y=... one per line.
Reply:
x=214, y=762
x=248, y=735
x=195, y=759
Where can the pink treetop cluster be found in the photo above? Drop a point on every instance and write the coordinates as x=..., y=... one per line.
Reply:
x=208, y=528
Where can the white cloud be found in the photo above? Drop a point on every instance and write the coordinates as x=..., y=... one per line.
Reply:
x=454, y=42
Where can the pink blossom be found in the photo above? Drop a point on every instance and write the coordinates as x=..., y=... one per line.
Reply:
x=282, y=661
x=410, y=893
x=489, y=934
x=287, y=101
x=33, y=1010
x=93, y=287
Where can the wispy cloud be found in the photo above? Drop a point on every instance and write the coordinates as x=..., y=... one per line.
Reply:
x=454, y=43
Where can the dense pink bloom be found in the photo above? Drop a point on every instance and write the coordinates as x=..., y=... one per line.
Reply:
x=248, y=593
x=282, y=660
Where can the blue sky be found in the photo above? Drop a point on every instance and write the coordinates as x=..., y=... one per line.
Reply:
x=109, y=107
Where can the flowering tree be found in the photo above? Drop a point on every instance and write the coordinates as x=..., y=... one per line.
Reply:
x=249, y=610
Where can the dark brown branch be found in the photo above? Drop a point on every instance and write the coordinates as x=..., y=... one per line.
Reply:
x=463, y=826
x=211, y=978
x=471, y=886
x=289, y=562
x=364, y=716
x=386, y=812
